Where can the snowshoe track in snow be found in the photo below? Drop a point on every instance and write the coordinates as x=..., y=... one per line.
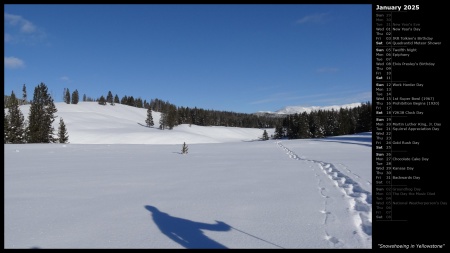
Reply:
x=360, y=199
x=356, y=175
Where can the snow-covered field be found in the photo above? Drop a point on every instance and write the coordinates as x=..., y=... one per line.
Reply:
x=229, y=191
x=91, y=123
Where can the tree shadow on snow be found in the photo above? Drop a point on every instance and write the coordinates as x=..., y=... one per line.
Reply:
x=363, y=139
x=185, y=232
x=343, y=142
x=143, y=125
x=360, y=137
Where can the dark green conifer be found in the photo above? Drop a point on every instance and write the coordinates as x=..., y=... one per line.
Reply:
x=63, y=137
x=41, y=116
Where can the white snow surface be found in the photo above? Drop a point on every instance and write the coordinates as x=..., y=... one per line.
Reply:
x=227, y=192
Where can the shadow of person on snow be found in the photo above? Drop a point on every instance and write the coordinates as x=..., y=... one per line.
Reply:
x=185, y=232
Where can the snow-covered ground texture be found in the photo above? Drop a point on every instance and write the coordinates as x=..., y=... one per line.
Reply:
x=310, y=193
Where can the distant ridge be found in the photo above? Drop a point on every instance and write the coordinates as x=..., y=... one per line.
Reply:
x=301, y=109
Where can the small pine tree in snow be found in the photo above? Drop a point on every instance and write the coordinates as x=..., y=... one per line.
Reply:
x=41, y=116
x=184, y=149
x=14, y=122
x=265, y=136
x=278, y=132
x=67, y=96
x=24, y=94
x=110, y=98
x=149, y=119
x=162, y=121
x=63, y=137
x=102, y=100
x=75, y=97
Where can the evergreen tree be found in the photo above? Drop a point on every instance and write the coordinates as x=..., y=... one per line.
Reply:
x=63, y=137
x=88, y=99
x=331, y=124
x=303, y=126
x=138, y=103
x=344, y=122
x=278, y=132
x=364, y=121
x=5, y=101
x=291, y=126
x=102, y=100
x=116, y=100
x=24, y=94
x=124, y=100
x=67, y=96
x=184, y=149
x=110, y=98
x=162, y=121
x=11, y=100
x=41, y=116
x=171, y=119
x=5, y=128
x=130, y=101
x=15, y=123
x=265, y=136
x=75, y=97
x=315, y=127
x=149, y=119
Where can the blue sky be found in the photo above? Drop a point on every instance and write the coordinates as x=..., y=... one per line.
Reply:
x=242, y=58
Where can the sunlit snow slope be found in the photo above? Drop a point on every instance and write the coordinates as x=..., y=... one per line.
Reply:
x=91, y=123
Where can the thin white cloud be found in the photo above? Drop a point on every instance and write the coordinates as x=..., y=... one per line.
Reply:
x=314, y=18
x=327, y=70
x=28, y=27
x=13, y=63
x=20, y=30
x=65, y=78
x=16, y=20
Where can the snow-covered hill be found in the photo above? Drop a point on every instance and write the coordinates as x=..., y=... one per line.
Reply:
x=91, y=123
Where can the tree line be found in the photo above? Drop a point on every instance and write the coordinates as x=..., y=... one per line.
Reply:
x=316, y=124
x=39, y=126
x=20, y=101
x=172, y=116
x=321, y=123
x=66, y=96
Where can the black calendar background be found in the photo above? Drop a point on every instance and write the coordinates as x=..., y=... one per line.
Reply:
x=416, y=224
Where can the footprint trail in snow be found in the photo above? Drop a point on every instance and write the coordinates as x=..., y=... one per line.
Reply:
x=360, y=200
